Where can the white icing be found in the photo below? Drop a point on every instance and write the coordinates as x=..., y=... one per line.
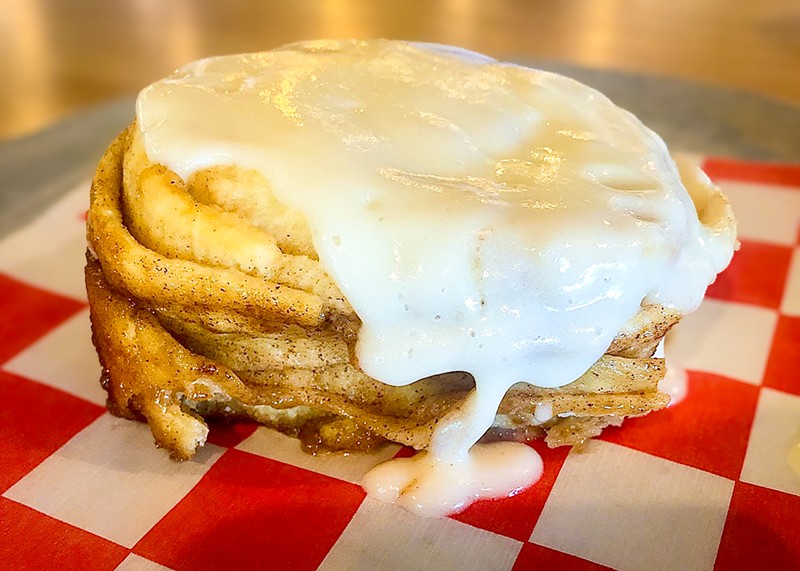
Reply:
x=432, y=487
x=479, y=216
x=675, y=382
x=543, y=412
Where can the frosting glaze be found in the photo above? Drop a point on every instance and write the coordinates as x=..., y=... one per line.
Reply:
x=479, y=216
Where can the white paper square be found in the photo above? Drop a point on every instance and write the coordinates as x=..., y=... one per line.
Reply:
x=632, y=511
x=727, y=338
x=110, y=479
x=350, y=468
x=384, y=536
x=791, y=293
x=766, y=213
x=65, y=359
x=776, y=429
x=50, y=251
x=134, y=562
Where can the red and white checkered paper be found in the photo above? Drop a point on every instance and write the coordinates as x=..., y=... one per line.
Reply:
x=702, y=485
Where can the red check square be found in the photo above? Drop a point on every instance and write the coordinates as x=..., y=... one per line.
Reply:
x=763, y=173
x=516, y=517
x=537, y=557
x=708, y=430
x=29, y=313
x=32, y=540
x=251, y=512
x=35, y=421
x=229, y=434
x=757, y=275
x=761, y=531
x=783, y=364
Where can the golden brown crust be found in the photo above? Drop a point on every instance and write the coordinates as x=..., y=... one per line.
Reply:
x=145, y=274
x=186, y=329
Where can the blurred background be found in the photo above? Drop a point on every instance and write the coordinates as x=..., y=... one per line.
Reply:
x=60, y=56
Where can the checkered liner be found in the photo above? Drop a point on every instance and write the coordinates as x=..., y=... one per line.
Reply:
x=702, y=485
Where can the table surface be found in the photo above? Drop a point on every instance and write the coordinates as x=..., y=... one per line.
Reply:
x=66, y=56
